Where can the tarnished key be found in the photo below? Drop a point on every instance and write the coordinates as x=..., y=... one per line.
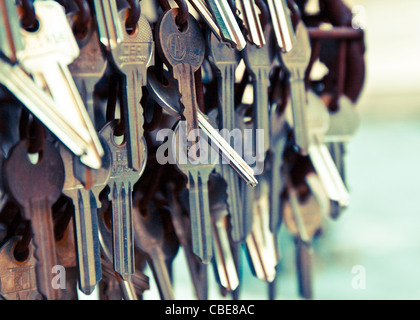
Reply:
x=261, y=243
x=11, y=44
x=181, y=223
x=36, y=188
x=197, y=174
x=183, y=52
x=168, y=98
x=227, y=23
x=132, y=56
x=225, y=60
x=259, y=62
x=248, y=13
x=121, y=184
x=86, y=203
x=149, y=237
x=223, y=258
x=88, y=68
x=17, y=277
x=296, y=61
x=302, y=218
x=282, y=24
x=48, y=51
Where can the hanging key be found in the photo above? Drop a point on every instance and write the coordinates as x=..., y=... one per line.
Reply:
x=259, y=62
x=17, y=275
x=35, y=187
x=168, y=98
x=110, y=29
x=48, y=51
x=223, y=258
x=225, y=61
x=88, y=68
x=227, y=23
x=249, y=15
x=86, y=203
x=202, y=8
x=296, y=61
x=11, y=44
x=121, y=184
x=197, y=174
x=132, y=56
x=282, y=24
x=150, y=238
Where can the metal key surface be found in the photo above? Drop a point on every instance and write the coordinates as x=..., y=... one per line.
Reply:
x=132, y=56
x=121, y=182
x=35, y=188
x=282, y=24
x=296, y=61
x=86, y=203
x=11, y=44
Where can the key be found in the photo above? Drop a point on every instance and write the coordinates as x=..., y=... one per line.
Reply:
x=88, y=68
x=197, y=175
x=48, y=64
x=259, y=62
x=121, y=184
x=110, y=29
x=17, y=277
x=35, y=188
x=202, y=9
x=183, y=52
x=86, y=203
x=296, y=61
x=282, y=24
x=149, y=237
x=260, y=243
x=132, y=56
x=302, y=218
x=227, y=23
x=181, y=223
x=168, y=98
x=11, y=44
x=249, y=16
x=224, y=60
x=223, y=258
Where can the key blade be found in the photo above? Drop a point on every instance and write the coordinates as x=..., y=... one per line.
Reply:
x=201, y=7
x=252, y=22
x=282, y=24
x=11, y=44
x=109, y=26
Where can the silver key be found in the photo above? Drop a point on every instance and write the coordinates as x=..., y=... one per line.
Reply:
x=197, y=175
x=296, y=61
x=17, y=278
x=86, y=202
x=168, y=98
x=201, y=7
x=48, y=51
x=224, y=60
x=223, y=258
x=88, y=68
x=121, y=184
x=282, y=24
x=132, y=57
x=249, y=15
x=11, y=44
x=109, y=27
x=259, y=62
x=227, y=23
x=149, y=238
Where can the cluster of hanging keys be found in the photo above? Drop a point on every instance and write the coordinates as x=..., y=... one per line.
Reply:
x=86, y=86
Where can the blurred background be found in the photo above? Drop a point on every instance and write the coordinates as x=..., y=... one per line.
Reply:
x=380, y=231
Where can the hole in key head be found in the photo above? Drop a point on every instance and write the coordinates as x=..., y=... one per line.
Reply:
x=118, y=140
x=33, y=27
x=35, y=158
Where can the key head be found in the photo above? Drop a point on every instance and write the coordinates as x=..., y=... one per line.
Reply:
x=120, y=170
x=136, y=49
x=298, y=58
x=175, y=46
x=11, y=270
x=91, y=61
x=26, y=181
x=53, y=38
x=255, y=56
x=221, y=52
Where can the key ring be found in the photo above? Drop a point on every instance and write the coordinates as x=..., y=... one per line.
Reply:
x=264, y=12
x=28, y=18
x=182, y=15
x=133, y=16
x=33, y=131
x=83, y=17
